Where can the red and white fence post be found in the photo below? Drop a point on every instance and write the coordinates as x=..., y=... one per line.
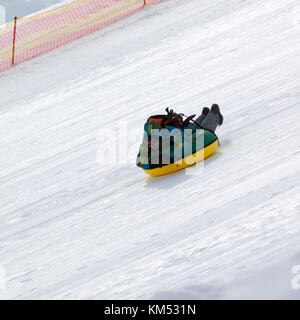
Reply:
x=14, y=41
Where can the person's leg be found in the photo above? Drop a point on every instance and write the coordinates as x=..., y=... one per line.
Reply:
x=216, y=109
x=210, y=122
x=212, y=119
x=205, y=112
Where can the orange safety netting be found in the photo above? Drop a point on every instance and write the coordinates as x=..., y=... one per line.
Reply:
x=42, y=32
x=153, y=1
x=6, y=43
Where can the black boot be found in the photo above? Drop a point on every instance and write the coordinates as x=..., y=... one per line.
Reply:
x=205, y=112
x=216, y=110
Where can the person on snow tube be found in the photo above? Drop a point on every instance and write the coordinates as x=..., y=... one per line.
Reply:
x=181, y=144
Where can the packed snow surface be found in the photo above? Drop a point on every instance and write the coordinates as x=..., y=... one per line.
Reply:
x=72, y=226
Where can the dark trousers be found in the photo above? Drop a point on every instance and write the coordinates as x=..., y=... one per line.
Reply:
x=208, y=122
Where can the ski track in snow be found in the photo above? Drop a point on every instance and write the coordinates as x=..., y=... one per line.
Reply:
x=72, y=228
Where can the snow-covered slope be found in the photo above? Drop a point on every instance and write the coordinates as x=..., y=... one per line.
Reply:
x=71, y=227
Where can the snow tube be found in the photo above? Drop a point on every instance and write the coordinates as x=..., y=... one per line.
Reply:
x=187, y=150
x=185, y=162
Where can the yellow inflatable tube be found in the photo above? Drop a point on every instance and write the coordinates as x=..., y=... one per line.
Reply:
x=186, y=162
